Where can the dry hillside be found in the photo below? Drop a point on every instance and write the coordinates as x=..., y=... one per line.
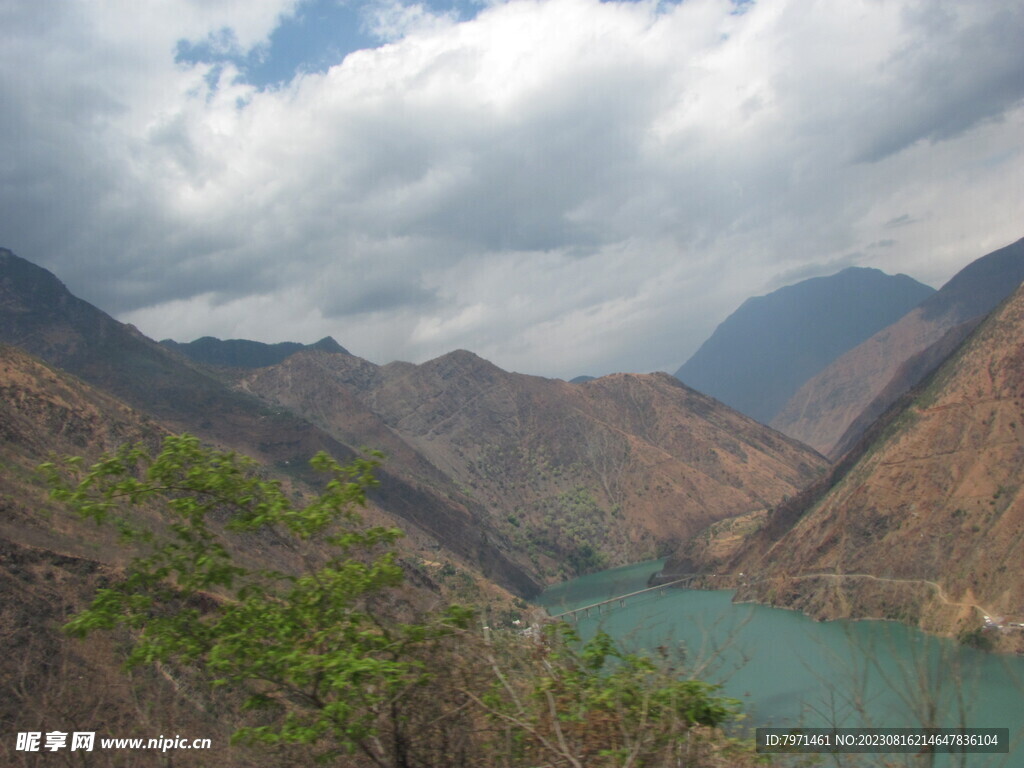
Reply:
x=927, y=525
x=573, y=476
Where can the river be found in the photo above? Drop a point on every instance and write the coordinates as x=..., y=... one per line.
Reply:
x=790, y=670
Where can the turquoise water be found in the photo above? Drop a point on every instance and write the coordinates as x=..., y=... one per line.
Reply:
x=790, y=670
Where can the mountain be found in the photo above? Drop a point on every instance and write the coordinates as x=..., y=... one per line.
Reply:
x=764, y=351
x=39, y=315
x=924, y=519
x=826, y=406
x=573, y=476
x=525, y=478
x=242, y=353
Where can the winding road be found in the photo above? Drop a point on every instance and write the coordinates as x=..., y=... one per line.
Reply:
x=985, y=612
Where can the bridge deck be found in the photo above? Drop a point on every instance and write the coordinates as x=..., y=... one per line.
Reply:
x=621, y=599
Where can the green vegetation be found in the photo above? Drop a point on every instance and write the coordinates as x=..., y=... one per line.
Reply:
x=976, y=638
x=563, y=524
x=328, y=649
x=571, y=529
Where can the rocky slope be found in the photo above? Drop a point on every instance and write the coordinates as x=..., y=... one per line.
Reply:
x=764, y=351
x=52, y=564
x=44, y=412
x=924, y=522
x=825, y=407
x=574, y=476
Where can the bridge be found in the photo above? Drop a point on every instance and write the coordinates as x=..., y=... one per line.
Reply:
x=619, y=601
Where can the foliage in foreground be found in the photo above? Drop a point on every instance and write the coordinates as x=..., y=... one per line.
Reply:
x=319, y=649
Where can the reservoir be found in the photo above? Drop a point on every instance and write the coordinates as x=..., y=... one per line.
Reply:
x=790, y=670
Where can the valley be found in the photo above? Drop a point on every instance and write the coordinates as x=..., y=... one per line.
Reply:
x=505, y=483
x=514, y=384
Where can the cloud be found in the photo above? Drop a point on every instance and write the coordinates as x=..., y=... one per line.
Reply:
x=899, y=221
x=563, y=186
x=958, y=64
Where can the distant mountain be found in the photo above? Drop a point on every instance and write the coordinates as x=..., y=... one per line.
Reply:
x=242, y=353
x=581, y=379
x=764, y=351
x=574, y=476
x=923, y=520
x=823, y=410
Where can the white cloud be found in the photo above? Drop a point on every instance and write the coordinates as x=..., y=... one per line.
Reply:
x=563, y=186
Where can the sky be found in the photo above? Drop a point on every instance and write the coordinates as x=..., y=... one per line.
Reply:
x=564, y=187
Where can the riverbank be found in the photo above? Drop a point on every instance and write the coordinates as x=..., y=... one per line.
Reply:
x=918, y=603
x=791, y=670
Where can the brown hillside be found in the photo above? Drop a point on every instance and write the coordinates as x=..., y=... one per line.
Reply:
x=521, y=476
x=573, y=476
x=52, y=564
x=927, y=525
x=44, y=412
x=823, y=408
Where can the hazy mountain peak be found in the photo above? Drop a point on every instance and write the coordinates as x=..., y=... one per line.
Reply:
x=828, y=403
x=461, y=355
x=759, y=356
x=462, y=359
x=30, y=278
x=328, y=344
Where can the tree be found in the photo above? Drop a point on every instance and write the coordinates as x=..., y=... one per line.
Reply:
x=558, y=702
x=318, y=646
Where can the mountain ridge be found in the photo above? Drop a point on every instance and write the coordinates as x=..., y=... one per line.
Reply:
x=39, y=315
x=560, y=466
x=243, y=353
x=528, y=478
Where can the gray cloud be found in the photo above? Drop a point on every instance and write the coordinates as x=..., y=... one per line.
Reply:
x=899, y=221
x=959, y=64
x=564, y=186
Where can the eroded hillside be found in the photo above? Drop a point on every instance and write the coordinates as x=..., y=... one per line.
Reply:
x=574, y=476
x=927, y=524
